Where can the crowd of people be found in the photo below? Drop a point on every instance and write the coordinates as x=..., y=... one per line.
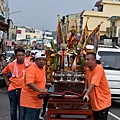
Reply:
x=26, y=78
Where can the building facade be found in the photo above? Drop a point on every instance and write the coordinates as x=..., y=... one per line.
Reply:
x=27, y=35
x=114, y=29
x=105, y=9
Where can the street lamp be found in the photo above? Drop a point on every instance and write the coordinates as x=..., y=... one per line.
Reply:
x=18, y=22
x=43, y=37
x=15, y=12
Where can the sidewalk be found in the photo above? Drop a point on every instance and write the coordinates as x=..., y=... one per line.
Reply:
x=4, y=104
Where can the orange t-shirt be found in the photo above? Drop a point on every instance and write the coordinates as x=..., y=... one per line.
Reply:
x=28, y=96
x=100, y=96
x=28, y=58
x=15, y=82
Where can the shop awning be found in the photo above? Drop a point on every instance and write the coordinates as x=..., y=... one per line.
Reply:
x=114, y=18
x=3, y=26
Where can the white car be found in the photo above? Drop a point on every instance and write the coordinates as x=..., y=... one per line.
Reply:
x=36, y=51
x=9, y=54
x=110, y=59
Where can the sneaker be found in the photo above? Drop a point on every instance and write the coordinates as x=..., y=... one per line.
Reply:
x=41, y=118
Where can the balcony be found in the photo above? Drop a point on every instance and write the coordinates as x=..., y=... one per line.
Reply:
x=111, y=1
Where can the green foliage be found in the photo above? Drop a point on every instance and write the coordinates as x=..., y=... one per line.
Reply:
x=82, y=63
x=53, y=46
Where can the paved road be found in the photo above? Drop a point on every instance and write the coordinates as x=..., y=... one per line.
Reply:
x=4, y=104
x=114, y=112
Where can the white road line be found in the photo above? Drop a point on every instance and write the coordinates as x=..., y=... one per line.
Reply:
x=113, y=115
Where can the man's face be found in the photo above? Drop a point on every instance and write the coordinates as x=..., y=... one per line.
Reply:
x=40, y=62
x=27, y=53
x=20, y=56
x=90, y=61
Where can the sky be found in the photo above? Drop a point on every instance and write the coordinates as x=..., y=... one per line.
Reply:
x=42, y=14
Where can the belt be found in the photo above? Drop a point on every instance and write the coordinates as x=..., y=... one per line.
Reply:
x=18, y=90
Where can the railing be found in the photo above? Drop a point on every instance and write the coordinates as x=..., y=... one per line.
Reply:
x=116, y=0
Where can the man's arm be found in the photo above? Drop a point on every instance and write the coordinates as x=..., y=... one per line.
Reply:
x=35, y=88
x=5, y=72
x=6, y=79
x=91, y=86
x=86, y=86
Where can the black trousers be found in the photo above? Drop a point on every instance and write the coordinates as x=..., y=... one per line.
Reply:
x=45, y=102
x=101, y=115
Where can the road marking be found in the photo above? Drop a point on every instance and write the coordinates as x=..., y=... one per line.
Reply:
x=113, y=115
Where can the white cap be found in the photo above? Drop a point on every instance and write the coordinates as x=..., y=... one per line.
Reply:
x=40, y=55
x=48, y=45
x=3, y=53
x=98, y=57
x=90, y=47
x=28, y=50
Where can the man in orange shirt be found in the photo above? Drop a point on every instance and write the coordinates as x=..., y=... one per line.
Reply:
x=96, y=85
x=35, y=80
x=28, y=57
x=15, y=83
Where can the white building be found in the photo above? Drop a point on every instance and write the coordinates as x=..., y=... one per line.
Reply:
x=47, y=38
x=28, y=35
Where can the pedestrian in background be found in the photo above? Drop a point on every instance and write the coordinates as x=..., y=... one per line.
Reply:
x=32, y=57
x=15, y=83
x=35, y=80
x=98, y=60
x=28, y=57
x=2, y=62
x=96, y=88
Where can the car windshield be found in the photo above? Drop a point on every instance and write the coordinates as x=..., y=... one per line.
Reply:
x=110, y=60
x=9, y=54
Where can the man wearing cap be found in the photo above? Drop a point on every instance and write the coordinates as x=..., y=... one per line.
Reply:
x=98, y=57
x=35, y=81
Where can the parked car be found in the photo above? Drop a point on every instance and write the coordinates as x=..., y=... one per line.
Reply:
x=8, y=55
x=36, y=51
x=110, y=59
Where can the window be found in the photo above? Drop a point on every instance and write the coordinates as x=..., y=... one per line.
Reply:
x=110, y=59
x=113, y=23
x=27, y=36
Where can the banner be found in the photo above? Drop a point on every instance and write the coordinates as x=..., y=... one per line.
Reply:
x=59, y=33
x=84, y=33
x=90, y=38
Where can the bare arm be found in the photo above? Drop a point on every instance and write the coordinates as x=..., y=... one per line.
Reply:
x=89, y=89
x=86, y=86
x=35, y=88
x=4, y=63
x=91, y=86
x=6, y=79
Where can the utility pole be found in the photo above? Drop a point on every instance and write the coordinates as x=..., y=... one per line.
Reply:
x=5, y=35
x=43, y=40
x=43, y=37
